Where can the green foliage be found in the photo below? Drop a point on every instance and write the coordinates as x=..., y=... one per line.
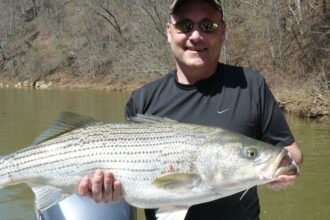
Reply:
x=61, y=46
x=34, y=49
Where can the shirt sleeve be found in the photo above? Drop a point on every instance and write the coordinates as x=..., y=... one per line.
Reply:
x=130, y=109
x=274, y=127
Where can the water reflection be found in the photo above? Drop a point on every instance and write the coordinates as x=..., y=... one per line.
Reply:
x=25, y=113
x=309, y=198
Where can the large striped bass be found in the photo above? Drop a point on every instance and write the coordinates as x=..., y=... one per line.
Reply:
x=161, y=163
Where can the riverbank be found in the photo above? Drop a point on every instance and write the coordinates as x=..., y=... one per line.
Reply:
x=303, y=101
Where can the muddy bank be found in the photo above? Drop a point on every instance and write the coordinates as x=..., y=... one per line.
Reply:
x=305, y=102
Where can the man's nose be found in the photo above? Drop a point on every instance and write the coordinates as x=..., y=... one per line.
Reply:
x=196, y=35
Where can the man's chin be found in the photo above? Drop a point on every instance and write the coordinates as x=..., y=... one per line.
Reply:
x=196, y=62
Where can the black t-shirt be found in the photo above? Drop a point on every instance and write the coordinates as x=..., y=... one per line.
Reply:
x=234, y=98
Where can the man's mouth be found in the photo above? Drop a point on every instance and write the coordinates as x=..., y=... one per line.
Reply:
x=196, y=49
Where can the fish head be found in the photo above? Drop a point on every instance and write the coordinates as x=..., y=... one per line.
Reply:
x=266, y=162
x=241, y=163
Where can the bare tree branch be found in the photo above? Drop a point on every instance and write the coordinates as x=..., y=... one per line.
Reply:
x=113, y=23
x=249, y=3
x=155, y=19
x=34, y=7
x=2, y=53
x=296, y=18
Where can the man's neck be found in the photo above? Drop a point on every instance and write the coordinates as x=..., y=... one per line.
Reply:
x=193, y=75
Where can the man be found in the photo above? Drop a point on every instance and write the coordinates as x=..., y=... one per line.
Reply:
x=200, y=90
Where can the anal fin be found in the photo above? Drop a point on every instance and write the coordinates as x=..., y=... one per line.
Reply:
x=47, y=196
x=172, y=213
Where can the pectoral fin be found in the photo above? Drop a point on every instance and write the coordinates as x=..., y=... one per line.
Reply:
x=177, y=181
x=47, y=196
x=172, y=213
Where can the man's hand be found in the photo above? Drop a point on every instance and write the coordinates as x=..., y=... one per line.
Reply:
x=103, y=187
x=284, y=181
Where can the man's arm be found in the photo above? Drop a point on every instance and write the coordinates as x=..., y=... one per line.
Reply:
x=285, y=181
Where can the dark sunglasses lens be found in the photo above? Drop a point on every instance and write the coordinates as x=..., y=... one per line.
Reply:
x=208, y=26
x=184, y=25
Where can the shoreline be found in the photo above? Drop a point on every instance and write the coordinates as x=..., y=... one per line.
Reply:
x=303, y=102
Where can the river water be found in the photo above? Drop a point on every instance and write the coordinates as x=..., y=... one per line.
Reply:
x=26, y=113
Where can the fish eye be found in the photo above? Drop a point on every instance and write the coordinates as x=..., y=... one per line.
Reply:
x=251, y=153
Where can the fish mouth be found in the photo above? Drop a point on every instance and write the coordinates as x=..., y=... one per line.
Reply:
x=286, y=165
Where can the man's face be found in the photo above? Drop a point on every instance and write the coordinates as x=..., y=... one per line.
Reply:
x=196, y=49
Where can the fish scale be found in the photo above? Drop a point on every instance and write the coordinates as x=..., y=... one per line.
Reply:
x=161, y=163
x=88, y=146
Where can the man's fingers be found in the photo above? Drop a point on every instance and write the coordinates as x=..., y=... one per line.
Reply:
x=282, y=182
x=102, y=188
x=97, y=186
x=83, y=188
x=117, y=192
x=108, y=189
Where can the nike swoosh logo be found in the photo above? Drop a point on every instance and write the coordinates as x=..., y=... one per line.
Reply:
x=223, y=111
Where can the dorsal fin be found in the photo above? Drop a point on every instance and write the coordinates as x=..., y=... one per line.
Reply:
x=65, y=122
x=139, y=118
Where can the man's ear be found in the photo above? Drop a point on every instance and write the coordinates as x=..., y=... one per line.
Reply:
x=168, y=32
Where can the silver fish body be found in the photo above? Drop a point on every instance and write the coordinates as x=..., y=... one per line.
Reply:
x=160, y=163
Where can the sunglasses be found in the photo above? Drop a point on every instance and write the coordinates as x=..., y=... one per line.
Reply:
x=186, y=25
